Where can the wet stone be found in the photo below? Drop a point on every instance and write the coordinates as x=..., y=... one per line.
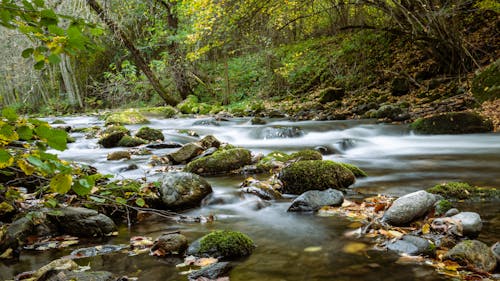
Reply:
x=471, y=223
x=409, y=207
x=473, y=252
x=313, y=200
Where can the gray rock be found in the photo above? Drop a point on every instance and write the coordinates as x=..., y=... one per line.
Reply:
x=412, y=245
x=313, y=200
x=403, y=247
x=82, y=222
x=471, y=223
x=63, y=275
x=409, y=207
x=451, y=212
x=206, y=153
x=473, y=252
x=276, y=132
x=181, y=190
x=211, y=272
x=186, y=153
x=164, y=145
x=172, y=243
x=209, y=141
x=206, y=122
x=16, y=233
x=496, y=251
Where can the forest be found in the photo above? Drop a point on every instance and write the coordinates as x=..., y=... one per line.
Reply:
x=249, y=140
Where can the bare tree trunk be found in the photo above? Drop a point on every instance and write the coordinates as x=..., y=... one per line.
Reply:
x=135, y=53
x=69, y=81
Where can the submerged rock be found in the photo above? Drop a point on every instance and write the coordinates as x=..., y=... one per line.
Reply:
x=409, y=207
x=471, y=223
x=82, y=222
x=206, y=122
x=180, y=190
x=452, y=123
x=302, y=176
x=472, y=253
x=412, y=245
x=276, y=132
x=150, y=134
x=313, y=200
x=172, y=243
x=222, y=244
x=221, y=162
x=211, y=272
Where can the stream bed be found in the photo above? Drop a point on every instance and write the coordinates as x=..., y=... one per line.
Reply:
x=396, y=161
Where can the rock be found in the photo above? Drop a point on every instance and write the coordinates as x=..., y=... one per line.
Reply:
x=400, y=86
x=126, y=117
x=274, y=113
x=223, y=161
x=206, y=153
x=495, y=249
x=258, y=121
x=159, y=111
x=358, y=173
x=206, y=122
x=313, y=200
x=180, y=190
x=451, y=212
x=473, y=253
x=172, y=243
x=211, y=272
x=128, y=141
x=130, y=167
x=82, y=222
x=111, y=140
x=471, y=223
x=441, y=207
x=331, y=94
x=412, y=245
x=83, y=276
x=261, y=189
x=306, y=154
x=164, y=145
x=462, y=190
x=15, y=235
x=486, y=83
x=118, y=155
x=452, y=123
x=325, y=150
x=150, y=134
x=209, y=141
x=222, y=244
x=409, y=207
x=186, y=153
x=302, y=176
x=275, y=132
x=387, y=111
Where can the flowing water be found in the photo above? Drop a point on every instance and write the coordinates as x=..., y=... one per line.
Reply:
x=397, y=162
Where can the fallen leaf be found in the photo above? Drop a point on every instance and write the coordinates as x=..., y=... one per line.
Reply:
x=426, y=228
x=205, y=261
x=313, y=249
x=354, y=247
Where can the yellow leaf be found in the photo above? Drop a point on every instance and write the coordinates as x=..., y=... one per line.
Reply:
x=61, y=183
x=396, y=234
x=426, y=228
x=205, y=261
x=313, y=249
x=27, y=168
x=354, y=248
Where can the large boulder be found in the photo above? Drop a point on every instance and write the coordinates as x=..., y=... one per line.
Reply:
x=302, y=176
x=222, y=244
x=150, y=134
x=126, y=117
x=409, y=207
x=112, y=135
x=486, y=83
x=220, y=162
x=313, y=200
x=180, y=190
x=452, y=123
x=82, y=222
x=473, y=253
x=471, y=223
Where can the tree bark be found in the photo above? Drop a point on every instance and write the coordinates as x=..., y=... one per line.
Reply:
x=135, y=53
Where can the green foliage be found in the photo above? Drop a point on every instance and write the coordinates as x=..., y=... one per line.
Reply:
x=462, y=190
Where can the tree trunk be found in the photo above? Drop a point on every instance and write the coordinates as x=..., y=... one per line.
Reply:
x=135, y=53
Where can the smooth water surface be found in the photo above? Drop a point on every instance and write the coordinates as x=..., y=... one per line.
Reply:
x=397, y=163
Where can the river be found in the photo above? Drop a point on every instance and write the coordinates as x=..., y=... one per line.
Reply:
x=396, y=161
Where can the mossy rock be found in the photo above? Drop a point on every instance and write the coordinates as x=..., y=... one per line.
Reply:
x=126, y=117
x=128, y=141
x=355, y=170
x=223, y=244
x=486, y=84
x=111, y=140
x=306, y=154
x=189, y=105
x=462, y=191
x=442, y=206
x=302, y=176
x=221, y=162
x=116, y=128
x=159, y=111
x=277, y=157
x=452, y=123
x=331, y=94
x=150, y=134
x=472, y=253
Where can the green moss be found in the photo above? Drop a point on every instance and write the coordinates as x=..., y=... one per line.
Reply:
x=486, y=84
x=58, y=121
x=128, y=141
x=315, y=174
x=452, y=123
x=126, y=117
x=331, y=94
x=222, y=161
x=116, y=128
x=159, y=111
x=189, y=105
x=306, y=154
x=111, y=140
x=442, y=207
x=462, y=190
x=150, y=134
x=226, y=244
x=355, y=170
